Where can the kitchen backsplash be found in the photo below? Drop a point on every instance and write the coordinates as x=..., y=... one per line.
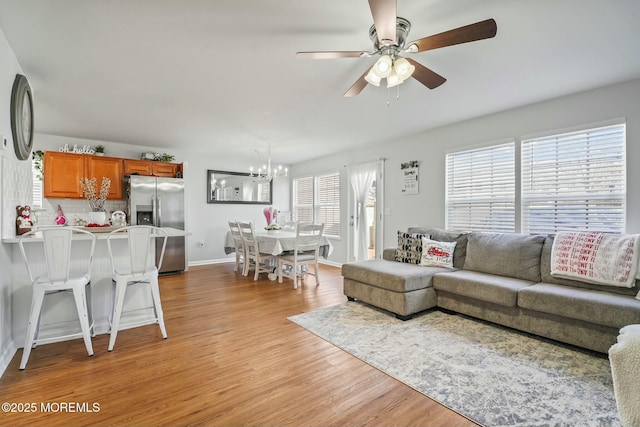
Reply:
x=73, y=209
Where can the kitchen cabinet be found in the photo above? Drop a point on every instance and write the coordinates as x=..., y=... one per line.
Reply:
x=108, y=167
x=150, y=168
x=63, y=171
x=62, y=174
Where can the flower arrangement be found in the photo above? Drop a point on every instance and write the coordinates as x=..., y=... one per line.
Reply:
x=96, y=201
x=271, y=215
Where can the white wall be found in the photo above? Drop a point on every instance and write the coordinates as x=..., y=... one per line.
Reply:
x=14, y=190
x=429, y=148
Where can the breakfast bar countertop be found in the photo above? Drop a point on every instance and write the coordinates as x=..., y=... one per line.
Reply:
x=101, y=234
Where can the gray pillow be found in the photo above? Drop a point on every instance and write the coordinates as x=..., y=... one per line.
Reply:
x=505, y=254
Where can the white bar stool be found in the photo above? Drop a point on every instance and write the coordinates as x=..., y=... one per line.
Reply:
x=57, y=243
x=135, y=267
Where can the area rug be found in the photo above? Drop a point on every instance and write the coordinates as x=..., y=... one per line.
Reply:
x=492, y=375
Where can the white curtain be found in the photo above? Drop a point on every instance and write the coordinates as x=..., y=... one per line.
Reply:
x=362, y=177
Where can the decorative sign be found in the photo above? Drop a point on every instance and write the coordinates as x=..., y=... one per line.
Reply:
x=85, y=149
x=409, y=177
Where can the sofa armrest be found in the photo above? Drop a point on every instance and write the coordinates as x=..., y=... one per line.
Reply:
x=389, y=254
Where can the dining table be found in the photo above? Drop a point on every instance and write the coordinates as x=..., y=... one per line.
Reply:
x=275, y=242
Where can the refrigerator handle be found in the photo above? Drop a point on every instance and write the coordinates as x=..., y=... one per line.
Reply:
x=158, y=212
x=154, y=211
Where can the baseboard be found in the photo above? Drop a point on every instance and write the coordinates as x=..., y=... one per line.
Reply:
x=331, y=263
x=6, y=356
x=232, y=260
x=212, y=261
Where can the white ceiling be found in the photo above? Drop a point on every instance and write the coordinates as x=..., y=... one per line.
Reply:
x=221, y=76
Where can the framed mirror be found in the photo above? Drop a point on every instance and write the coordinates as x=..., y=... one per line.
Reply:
x=237, y=187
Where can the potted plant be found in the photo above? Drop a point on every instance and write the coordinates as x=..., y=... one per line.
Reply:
x=38, y=162
x=99, y=150
x=167, y=157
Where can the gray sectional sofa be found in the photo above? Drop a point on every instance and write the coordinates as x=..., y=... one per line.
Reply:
x=502, y=278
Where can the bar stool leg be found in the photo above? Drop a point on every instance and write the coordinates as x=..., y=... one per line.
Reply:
x=81, y=306
x=34, y=318
x=155, y=293
x=121, y=288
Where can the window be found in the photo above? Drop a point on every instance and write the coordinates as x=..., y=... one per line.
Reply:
x=570, y=181
x=480, y=189
x=303, y=199
x=574, y=181
x=317, y=199
x=36, y=184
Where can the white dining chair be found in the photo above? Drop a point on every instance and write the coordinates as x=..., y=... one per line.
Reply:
x=57, y=243
x=133, y=265
x=237, y=239
x=305, y=253
x=261, y=262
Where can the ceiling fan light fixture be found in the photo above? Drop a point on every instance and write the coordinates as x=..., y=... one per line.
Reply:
x=372, y=77
x=383, y=66
x=393, y=79
x=403, y=68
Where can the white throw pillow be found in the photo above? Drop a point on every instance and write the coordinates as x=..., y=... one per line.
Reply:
x=437, y=254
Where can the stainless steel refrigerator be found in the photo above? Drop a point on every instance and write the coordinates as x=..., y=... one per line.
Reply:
x=159, y=201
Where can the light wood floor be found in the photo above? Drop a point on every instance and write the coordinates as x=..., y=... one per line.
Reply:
x=232, y=358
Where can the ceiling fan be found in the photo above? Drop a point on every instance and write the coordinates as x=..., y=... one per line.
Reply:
x=389, y=34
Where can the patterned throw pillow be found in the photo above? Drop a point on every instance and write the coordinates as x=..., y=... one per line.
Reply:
x=437, y=254
x=409, y=248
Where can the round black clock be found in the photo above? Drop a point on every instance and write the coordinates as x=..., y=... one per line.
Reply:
x=22, y=117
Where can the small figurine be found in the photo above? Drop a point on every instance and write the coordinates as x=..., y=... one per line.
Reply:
x=23, y=221
x=60, y=218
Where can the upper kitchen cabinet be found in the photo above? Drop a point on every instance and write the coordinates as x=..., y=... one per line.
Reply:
x=108, y=167
x=150, y=168
x=62, y=174
x=63, y=171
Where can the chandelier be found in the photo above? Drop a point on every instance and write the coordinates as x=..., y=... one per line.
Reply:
x=266, y=172
x=395, y=69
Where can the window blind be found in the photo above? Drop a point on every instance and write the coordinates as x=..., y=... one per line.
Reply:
x=574, y=181
x=328, y=203
x=36, y=185
x=317, y=199
x=303, y=199
x=480, y=189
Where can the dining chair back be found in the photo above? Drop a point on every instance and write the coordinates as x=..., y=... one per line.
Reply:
x=237, y=240
x=306, y=252
x=55, y=277
x=261, y=262
x=134, y=264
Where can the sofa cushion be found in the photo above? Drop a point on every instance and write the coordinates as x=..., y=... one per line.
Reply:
x=603, y=308
x=481, y=286
x=392, y=275
x=409, y=247
x=460, y=237
x=546, y=277
x=505, y=254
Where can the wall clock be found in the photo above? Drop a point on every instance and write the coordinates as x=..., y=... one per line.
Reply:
x=22, y=117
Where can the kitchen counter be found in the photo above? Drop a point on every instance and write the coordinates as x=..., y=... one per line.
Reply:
x=59, y=314
x=101, y=234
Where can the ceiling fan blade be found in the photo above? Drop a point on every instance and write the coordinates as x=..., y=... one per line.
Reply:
x=425, y=76
x=357, y=86
x=469, y=33
x=384, y=14
x=331, y=54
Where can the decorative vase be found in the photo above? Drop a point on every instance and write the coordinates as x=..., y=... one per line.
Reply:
x=98, y=217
